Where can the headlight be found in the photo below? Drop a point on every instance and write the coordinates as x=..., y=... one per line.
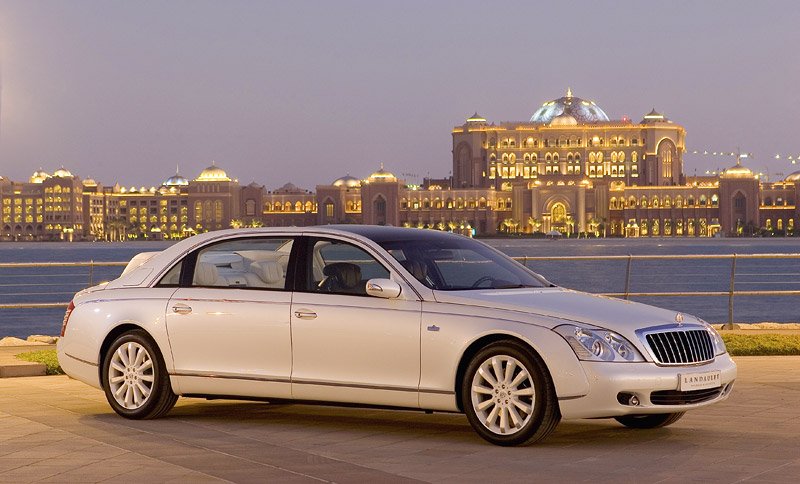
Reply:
x=598, y=344
x=716, y=339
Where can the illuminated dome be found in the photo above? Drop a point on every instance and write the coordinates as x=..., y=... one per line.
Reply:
x=382, y=176
x=476, y=119
x=62, y=173
x=793, y=177
x=39, y=176
x=579, y=109
x=89, y=182
x=347, y=181
x=738, y=171
x=213, y=173
x=564, y=119
x=176, y=180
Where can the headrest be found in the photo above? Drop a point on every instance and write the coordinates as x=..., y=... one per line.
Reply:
x=417, y=269
x=269, y=271
x=205, y=274
x=348, y=275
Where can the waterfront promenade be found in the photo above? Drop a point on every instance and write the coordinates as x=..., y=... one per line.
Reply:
x=53, y=429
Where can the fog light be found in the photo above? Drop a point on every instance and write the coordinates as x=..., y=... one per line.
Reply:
x=633, y=401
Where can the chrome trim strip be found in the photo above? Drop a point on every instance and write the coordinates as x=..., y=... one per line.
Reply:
x=307, y=382
x=225, y=376
x=81, y=360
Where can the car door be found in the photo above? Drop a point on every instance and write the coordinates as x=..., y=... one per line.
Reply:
x=228, y=323
x=348, y=346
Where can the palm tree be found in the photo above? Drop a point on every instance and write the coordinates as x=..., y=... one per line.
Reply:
x=534, y=223
x=569, y=220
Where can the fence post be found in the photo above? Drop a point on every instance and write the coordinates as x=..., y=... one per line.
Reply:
x=730, y=324
x=91, y=273
x=628, y=276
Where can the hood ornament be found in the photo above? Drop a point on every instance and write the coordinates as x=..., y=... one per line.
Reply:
x=679, y=319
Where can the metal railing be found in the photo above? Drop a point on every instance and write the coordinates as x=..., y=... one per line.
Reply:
x=731, y=293
x=91, y=265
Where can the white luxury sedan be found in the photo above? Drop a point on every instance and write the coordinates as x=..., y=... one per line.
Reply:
x=404, y=318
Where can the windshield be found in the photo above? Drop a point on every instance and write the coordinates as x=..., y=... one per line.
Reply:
x=456, y=264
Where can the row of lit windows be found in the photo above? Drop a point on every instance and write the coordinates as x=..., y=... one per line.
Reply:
x=155, y=219
x=20, y=218
x=779, y=224
x=656, y=202
x=290, y=207
x=564, y=142
x=656, y=227
x=58, y=189
x=208, y=210
x=459, y=203
x=779, y=201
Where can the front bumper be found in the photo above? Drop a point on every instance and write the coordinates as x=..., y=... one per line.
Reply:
x=608, y=380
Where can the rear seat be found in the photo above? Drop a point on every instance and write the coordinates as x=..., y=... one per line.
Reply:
x=265, y=273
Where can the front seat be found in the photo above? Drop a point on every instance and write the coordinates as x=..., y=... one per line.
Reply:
x=342, y=277
x=417, y=269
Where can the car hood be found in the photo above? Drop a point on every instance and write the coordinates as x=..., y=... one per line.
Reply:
x=560, y=304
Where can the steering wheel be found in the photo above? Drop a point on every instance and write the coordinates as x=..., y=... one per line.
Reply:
x=481, y=280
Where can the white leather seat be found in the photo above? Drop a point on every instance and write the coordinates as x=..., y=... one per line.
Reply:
x=266, y=273
x=207, y=274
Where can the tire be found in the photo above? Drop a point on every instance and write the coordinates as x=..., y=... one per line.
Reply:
x=653, y=421
x=135, y=379
x=518, y=408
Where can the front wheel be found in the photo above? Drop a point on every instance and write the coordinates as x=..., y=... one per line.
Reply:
x=508, y=396
x=135, y=378
x=653, y=421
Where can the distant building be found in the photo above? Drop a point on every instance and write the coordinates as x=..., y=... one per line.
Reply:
x=569, y=168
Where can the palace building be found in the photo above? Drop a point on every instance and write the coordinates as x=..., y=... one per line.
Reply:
x=569, y=168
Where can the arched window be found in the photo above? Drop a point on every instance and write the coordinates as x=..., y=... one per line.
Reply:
x=613, y=156
x=208, y=215
x=679, y=201
x=643, y=202
x=512, y=158
x=634, y=157
x=249, y=207
x=654, y=202
x=547, y=157
x=667, y=202
x=613, y=203
x=621, y=156
x=287, y=207
x=714, y=200
x=632, y=202
x=703, y=200
x=309, y=207
x=218, y=211
x=298, y=206
x=555, y=156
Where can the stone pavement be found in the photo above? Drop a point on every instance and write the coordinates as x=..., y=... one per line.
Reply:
x=53, y=429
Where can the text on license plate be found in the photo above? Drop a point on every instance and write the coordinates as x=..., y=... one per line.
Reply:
x=698, y=381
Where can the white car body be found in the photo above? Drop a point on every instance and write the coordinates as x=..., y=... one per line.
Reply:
x=405, y=351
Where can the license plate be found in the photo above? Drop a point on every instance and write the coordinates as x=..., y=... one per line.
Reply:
x=698, y=381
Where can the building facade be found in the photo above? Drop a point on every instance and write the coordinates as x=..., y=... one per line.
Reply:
x=569, y=169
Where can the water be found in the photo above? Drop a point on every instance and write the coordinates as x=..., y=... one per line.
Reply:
x=58, y=284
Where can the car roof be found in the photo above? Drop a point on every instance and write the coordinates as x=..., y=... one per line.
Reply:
x=384, y=233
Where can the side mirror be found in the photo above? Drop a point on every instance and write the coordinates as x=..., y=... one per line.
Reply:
x=385, y=288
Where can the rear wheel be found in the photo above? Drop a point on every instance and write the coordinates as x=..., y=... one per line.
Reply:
x=135, y=379
x=653, y=421
x=508, y=396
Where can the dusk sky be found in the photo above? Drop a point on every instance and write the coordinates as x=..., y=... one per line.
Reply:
x=310, y=91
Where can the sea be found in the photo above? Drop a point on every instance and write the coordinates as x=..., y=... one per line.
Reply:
x=19, y=285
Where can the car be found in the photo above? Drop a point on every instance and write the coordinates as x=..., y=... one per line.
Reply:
x=384, y=316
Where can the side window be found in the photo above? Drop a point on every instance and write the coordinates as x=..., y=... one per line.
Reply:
x=171, y=278
x=340, y=268
x=256, y=263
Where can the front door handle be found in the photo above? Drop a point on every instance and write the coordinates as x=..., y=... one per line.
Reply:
x=305, y=314
x=181, y=309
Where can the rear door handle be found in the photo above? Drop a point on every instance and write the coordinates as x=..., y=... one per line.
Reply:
x=181, y=309
x=305, y=314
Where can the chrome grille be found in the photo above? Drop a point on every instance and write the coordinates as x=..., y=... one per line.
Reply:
x=681, y=347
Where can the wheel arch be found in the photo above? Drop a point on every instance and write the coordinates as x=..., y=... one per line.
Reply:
x=480, y=343
x=114, y=334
